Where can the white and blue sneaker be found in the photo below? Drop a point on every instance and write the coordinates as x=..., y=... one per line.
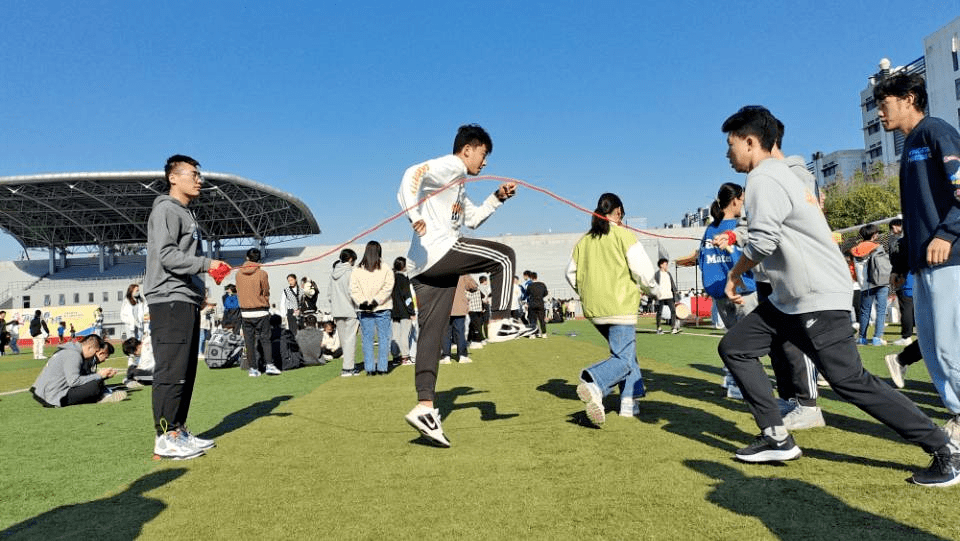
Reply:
x=174, y=446
x=272, y=370
x=199, y=443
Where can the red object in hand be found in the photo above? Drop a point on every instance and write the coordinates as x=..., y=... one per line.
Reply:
x=219, y=273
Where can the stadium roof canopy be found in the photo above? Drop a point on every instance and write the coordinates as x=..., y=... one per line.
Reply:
x=106, y=209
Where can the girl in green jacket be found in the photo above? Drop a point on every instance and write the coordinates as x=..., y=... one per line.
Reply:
x=605, y=269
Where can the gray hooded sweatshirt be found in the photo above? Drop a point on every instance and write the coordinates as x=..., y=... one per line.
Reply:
x=174, y=257
x=65, y=369
x=341, y=303
x=789, y=234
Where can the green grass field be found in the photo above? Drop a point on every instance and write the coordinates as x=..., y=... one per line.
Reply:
x=310, y=455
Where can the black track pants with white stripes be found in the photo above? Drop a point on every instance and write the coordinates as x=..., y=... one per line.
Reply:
x=435, y=288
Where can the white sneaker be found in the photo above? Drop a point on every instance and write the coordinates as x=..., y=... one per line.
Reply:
x=476, y=345
x=112, y=396
x=733, y=391
x=802, y=417
x=407, y=361
x=465, y=360
x=502, y=330
x=272, y=370
x=132, y=384
x=952, y=427
x=590, y=394
x=897, y=370
x=196, y=442
x=253, y=373
x=445, y=360
x=675, y=330
x=427, y=421
x=174, y=446
x=903, y=341
x=629, y=407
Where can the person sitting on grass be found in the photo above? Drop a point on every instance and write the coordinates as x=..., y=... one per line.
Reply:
x=330, y=346
x=70, y=376
x=139, y=362
x=604, y=270
x=310, y=340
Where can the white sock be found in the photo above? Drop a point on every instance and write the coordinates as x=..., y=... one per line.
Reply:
x=778, y=432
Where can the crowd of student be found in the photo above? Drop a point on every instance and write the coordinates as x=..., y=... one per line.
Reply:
x=776, y=275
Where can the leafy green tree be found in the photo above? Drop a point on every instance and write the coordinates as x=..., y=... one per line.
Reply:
x=864, y=199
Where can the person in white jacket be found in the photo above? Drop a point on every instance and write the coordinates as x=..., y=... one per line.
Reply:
x=371, y=287
x=434, y=197
x=132, y=312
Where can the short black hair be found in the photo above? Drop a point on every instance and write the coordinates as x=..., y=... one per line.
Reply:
x=755, y=120
x=173, y=162
x=253, y=255
x=662, y=260
x=130, y=346
x=901, y=85
x=100, y=341
x=868, y=231
x=896, y=222
x=473, y=135
x=310, y=321
x=400, y=264
x=347, y=255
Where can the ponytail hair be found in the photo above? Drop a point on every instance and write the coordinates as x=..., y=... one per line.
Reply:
x=599, y=225
x=727, y=193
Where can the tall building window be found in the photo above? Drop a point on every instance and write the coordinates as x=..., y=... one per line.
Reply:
x=62, y=300
x=875, y=153
x=76, y=298
x=90, y=297
x=106, y=296
x=870, y=104
x=873, y=128
x=956, y=84
x=46, y=300
x=26, y=301
x=119, y=296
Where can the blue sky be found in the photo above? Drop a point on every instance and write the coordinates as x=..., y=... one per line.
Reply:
x=332, y=101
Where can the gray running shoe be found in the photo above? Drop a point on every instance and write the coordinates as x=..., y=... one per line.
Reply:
x=802, y=417
x=590, y=394
x=897, y=370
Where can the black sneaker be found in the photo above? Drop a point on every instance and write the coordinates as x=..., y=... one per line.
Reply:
x=767, y=449
x=944, y=471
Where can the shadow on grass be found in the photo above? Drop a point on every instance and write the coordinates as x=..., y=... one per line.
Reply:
x=118, y=517
x=445, y=401
x=694, y=424
x=812, y=513
x=247, y=415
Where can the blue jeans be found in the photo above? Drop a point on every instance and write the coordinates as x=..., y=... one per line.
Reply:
x=867, y=298
x=455, y=329
x=938, y=326
x=621, y=368
x=204, y=336
x=378, y=322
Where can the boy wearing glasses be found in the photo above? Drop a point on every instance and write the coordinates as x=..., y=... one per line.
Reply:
x=174, y=290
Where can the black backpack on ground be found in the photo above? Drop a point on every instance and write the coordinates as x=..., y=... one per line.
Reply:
x=290, y=355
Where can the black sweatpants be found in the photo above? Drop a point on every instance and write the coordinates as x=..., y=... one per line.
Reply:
x=794, y=372
x=538, y=319
x=435, y=288
x=825, y=337
x=673, y=311
x=257, y=330
x=175, y=334
x=906, y=314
